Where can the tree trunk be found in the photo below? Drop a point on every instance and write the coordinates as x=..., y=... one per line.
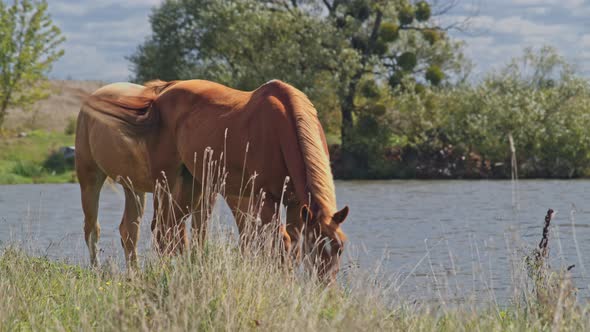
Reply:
x=347, y=164
x=347, y=109
x=347, y=104
x=3, y=108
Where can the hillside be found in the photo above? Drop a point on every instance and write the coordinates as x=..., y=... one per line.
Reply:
x=53, y=113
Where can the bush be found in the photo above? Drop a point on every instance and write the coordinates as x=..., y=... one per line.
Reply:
x=27, y=169
x=389, y=32
x=434, y=75
x=463, y=131
x=58, y=163
x=71, y=126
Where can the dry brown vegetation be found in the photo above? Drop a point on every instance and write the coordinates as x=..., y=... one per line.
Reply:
x=55, y=112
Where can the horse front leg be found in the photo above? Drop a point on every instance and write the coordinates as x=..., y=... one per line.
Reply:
x=259, y=225
x=294, y=229
x=200, y=216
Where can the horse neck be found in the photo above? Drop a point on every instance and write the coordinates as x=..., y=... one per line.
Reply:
x=314, y=152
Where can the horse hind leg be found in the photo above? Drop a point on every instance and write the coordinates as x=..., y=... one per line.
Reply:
x=91, y=181
x=172, y=204
x=129, y=227
x=202, y=208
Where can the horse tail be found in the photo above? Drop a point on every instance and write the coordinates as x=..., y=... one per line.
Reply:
x=133, y=112
x=307, y=159
x=158, y=86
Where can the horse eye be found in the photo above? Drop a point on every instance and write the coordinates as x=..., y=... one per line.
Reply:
x=328, y=244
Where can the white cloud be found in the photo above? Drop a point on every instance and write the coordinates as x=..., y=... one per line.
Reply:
x=67, y=9
x=538, y=10
x=98, y=43
x=500, y=32
x=519, y=26
x=90, y=63
x=564, y=3
x=100, y=34
x=132, y=30
x=86, y=7
x=585, y=41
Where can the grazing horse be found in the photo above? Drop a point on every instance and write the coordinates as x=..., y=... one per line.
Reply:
x=272, y=132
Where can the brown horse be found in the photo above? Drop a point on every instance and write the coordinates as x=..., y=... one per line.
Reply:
x=272, y=132
x=103, y=149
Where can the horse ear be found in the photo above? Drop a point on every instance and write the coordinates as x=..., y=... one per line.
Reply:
x=339, y=216
x=306, y=214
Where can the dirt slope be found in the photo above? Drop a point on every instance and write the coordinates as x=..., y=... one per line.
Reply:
x=54, y=112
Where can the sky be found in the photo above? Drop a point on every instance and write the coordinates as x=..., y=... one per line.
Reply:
x=101, y=33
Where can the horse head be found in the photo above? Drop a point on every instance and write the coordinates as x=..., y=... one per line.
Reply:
x=324, y=241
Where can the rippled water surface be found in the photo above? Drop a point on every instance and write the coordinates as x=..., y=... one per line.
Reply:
x=437, y=239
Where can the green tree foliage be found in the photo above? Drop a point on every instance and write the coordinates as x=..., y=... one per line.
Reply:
x=243, y=44
x=537, y=99
x=326, y=48
x=387, y=78
x=29, y=45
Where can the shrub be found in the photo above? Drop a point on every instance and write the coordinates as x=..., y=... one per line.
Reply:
x=389, y=32
x=71, y=126
x=27, y=169
x=58, y=163
x=434, y=75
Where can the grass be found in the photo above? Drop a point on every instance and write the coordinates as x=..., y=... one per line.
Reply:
x=22, y=158
x=218, y=288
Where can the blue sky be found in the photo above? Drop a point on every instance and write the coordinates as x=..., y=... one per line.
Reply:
x=100, y=33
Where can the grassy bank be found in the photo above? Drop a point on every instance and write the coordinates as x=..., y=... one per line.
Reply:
x=48, y=125
x=218, y=289
x=23, y=159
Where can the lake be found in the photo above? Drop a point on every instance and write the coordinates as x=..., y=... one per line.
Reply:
x=444, y=240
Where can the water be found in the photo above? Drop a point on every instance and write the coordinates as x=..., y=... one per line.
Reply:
x=434, y=239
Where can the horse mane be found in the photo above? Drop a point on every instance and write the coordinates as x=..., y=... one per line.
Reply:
x=319, y=180
x=133, y=112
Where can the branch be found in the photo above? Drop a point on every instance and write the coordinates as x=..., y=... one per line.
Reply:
x=332, y=7
x=449, y=5
x=375, y=31
x=543, y=245
x=276, y=5
x=328, y=5
x=417, y=28
x=443, y=9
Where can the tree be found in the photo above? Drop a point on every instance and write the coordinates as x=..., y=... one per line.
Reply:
x=537, y=99
x=336, y=51
x=29, y=45
x=242, y=44
x=398, y=44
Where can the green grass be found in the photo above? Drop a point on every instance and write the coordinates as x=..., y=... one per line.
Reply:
x=21, y=159
x=218, y=289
